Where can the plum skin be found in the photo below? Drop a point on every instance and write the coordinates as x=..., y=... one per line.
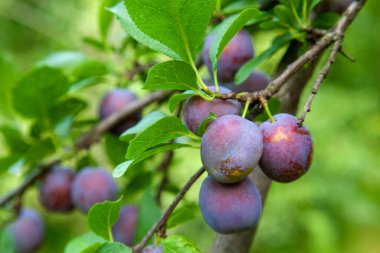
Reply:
x=28, y=231
x=55, y=190
x=230, y=208
x=255, y=82
x=237, y=52
x=231, y=148
x=124, y=229
x=152, y=249
x=196, y=109
x=91, y=186
x=114, y=101
x=288, y=148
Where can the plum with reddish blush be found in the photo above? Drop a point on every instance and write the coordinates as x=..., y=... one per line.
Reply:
x=196, y=109
x=230, y=208
x=237, y=52
x=231, y=148
x=288, y=148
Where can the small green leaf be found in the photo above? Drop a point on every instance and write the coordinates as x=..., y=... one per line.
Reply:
x=203, y=126
x=182, y=215
x=163, y=130
x=114, y=247
x=84, y=243
x=102, y=216
x=326, y=20
x=171, y=75
x=178, y=98
x=239, y=6
x=14, y=139
x=284, y=15
x=62, y=59
x=227, y=30
x=115, y=148
x=179, y=244
x=245, y=71
x=84, y=83
x=105, y=18
x=178, y=24
x=143, y=124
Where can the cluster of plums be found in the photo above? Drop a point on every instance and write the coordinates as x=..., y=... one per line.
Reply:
x=232, y=147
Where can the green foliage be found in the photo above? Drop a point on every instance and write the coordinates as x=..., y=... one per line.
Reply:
x=113, y=248
x=182, y=214
x=6, y=242
x=179, y=244
x=176, y=99
x=86, y=243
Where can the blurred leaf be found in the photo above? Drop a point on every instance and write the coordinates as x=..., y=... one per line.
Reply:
x=163, y=130
x=62, y=59
x=89, y=68
x=115, y=149
x=246, y=70
x=6, y=242
x=39, y=91
x=86, y=243
x=227, y=30
x=84, y=83
x=149, y=213
x=14, y=139
x=95, y=43
x=270, y=25
x=203, y=126
x=326, y=20
x=182, y=24
x=102, y=216
x=123, y=167
x=171, y=75
x=284, y=15
x=181, y=215
x=114, y=247
x=38, y=151
x=7, y=77
x=179, y=244
x=105, y=18
x=6, y=163
x=178, y=98
x=139, y=182
x=238, y=6
x=142, y=125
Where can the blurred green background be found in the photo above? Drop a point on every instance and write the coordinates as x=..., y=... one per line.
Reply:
x=334, y=208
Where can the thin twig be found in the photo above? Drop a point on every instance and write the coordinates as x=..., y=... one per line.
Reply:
x=162, y=221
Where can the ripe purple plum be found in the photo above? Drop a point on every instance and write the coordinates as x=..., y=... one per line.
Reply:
x=152, y=249
x=91, y=186
x=196, y=109
x=28, y=231
x=288, y=148
x=256, y=81
x=230, y=208
x=125, y=228
x=113, y=102
x=237, y=52
x=55, y=190
x=231, y=148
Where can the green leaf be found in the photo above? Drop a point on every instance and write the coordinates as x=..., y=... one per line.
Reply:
x=178, y=24
x=38, y=151
x=182, y=215
x=178, y=98
x=326, y=20
x=171, y=75
x=39, y=91
x=62, y=59
x=84, y=243
x=238, y=6
x=13, y=139
x=123, y=167
x=179, y=244
x=227, y=30
x=284, y=15
x=115, y=148
x=149, y=213
x=245, y=71
x=84, y=83
x=114, y=247
x=203, y=126
x=7, y=77
x=129, y=26
x=102, y=216
x=6, y=242
x=13, y=162
x=163, y=130
x=105, y=18
x=143, y=124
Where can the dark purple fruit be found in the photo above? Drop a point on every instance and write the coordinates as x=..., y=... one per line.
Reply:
x=125, y=228
x=230, y=208
x=288, y=148
x=231, y=148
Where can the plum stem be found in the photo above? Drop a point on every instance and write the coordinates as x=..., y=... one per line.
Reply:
x=264, y=103
x=246, y=106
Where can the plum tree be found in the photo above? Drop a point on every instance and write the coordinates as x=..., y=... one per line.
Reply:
x=196, y=109
x=230, y=208
x=91, y=186
x=114, y=101
x=237, y=52
x=125, y=228
x=28, y=231
x=55, y=190
x=231, y=148
x=152, y=249
x=338, y=6
x=288, y=148
x=255, y=82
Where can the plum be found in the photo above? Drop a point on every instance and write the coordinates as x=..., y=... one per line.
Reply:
x=230, y=208
x=288, y=148
x=237, y=52
x=28, y=231
x=231, y=148
x=196, y=109
x=91, y=186
x=125, y=228
x=113, y=102
x=256, y=81
x=55, y=190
